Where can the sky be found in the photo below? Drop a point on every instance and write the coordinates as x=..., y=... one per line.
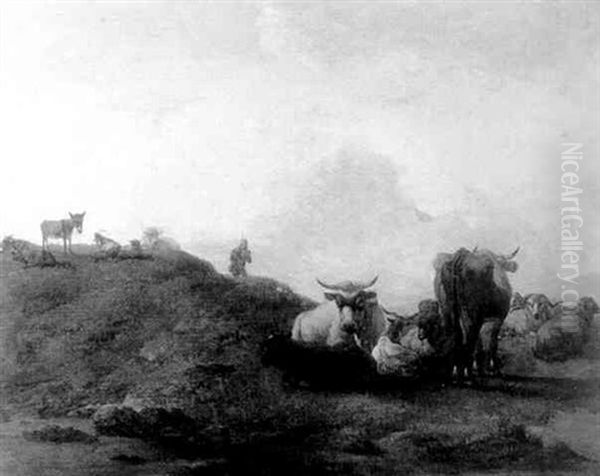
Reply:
x=315, y=129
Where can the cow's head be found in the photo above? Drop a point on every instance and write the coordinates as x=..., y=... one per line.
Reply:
x=77, y=219
x=395, y=328
x=506, y=261
x=353, y=302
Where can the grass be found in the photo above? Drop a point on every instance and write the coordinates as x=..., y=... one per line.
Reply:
x=172, y=332
x=86, y=335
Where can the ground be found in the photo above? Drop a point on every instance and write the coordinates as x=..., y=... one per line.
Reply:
x=173, y=332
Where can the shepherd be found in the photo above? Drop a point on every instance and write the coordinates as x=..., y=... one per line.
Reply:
x=239, y=257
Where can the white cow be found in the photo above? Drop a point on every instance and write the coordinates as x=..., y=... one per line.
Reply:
x=350, y=314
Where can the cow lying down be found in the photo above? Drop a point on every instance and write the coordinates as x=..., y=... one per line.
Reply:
x=417, y=347
x=404, y=349
x=403, y=358
x=317, y=366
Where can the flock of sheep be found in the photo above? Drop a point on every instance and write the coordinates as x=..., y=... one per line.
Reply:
x=553, y=332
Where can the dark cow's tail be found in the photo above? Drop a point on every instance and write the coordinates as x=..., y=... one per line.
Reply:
x=452, y=279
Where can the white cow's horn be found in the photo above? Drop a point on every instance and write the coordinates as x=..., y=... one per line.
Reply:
x=348, y=286
x=367, y=285
x=332, y=287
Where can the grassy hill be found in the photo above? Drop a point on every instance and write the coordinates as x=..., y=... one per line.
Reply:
x=170, y=331
x=173, y=332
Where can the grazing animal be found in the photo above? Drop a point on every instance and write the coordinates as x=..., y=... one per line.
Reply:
x=435, y=329
x=541, y=308
x=23, y=252
x=527, y=314
x=472, y=288
x=519, y=321
x=351, y=313
x=339, y=366
x=395, y=329
x=62, y=229
x=564, y=335
x=107, y=247
x=403, y=350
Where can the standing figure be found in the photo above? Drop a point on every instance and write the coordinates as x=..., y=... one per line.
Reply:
x=239, y=257
x=62, y=229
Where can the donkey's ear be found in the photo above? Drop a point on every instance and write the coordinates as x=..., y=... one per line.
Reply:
x=70, y=214
x=83, y=214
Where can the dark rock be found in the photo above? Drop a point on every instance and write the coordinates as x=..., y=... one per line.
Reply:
x=130, y=459
x=114, y=420
x=59, y=434
x=170, y=428
x=339, y=367
x=83, y=412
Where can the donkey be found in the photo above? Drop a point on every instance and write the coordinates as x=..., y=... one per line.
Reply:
x=62, y=229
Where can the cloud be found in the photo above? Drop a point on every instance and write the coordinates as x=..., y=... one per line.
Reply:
x=350, y=219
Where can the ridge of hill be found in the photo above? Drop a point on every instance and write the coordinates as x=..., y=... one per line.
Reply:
x=169, y=332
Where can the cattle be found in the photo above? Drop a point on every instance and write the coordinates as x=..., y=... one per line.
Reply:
x=401, y=350
x=62, y=229
x=320, y=367
x=472, y=288
x=435, y=329
x=565, y=334
x=350, y=313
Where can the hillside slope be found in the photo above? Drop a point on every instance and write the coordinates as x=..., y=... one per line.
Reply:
x=169, y=331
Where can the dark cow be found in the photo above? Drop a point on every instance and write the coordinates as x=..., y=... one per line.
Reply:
x=342, y=366
x=472, y=289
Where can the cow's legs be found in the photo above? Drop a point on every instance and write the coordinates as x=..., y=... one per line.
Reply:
x=467, y=352
x=494, y=364
x=481, y=357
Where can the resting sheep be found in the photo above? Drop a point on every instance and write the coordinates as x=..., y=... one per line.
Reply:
x=25, y=253
x=528, y=314
x=564, y=336
x=107, y=247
